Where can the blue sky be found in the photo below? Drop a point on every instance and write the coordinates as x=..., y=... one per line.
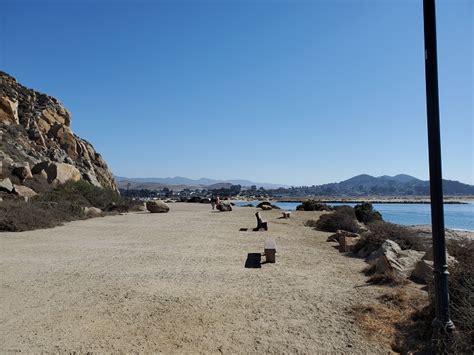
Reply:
x=292, y=92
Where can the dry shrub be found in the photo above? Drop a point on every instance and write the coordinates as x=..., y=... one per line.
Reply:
x=311, y=223
x=19, y=215
x=389, y=278
x=369, y=270
x=61, y=204
x=342, y=218
x=380, y=231
x=415, y=333
x=461, y=292
x=313, y=205
x=393, y=317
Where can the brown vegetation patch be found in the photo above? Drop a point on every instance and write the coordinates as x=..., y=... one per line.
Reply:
x=389, y=278
x=380, y=231
x=394, y=318
x=343, y=218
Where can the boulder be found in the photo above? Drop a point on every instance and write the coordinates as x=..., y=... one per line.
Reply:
x=24, y=191
x=62, y=172
x=429, y=256
x=22, y=171
x=266, y=207
x=347, y=243
x=93, y=212
x=6, y=185
x=390, y=257
x=340, y=233
x=157, y=206
x=40, y=167
x=264, y=203
x=9, y=110
x=224, y=207
x=389, y=247
x=423, y=271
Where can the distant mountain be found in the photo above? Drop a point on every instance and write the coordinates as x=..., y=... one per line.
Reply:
x=360, y=185
x=363, y=185
x=196, y=183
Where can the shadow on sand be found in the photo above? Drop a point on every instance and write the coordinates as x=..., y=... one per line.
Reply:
x=254, y=261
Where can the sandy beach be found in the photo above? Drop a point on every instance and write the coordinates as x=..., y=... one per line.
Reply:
x=176, y=283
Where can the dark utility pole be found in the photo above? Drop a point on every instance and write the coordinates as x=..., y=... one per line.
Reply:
x=442, y=324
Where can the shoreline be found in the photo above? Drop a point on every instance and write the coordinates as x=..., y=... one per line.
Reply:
x=448, y=200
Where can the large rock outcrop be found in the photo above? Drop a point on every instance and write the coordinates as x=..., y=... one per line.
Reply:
x=35, y=129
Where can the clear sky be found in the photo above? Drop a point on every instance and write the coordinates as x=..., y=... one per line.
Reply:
x=292, y=92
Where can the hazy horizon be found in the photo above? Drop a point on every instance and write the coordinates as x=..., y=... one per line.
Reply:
x=266, y=182
x=293, y=93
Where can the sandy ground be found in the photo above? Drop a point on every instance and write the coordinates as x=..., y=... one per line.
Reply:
x=176, y=283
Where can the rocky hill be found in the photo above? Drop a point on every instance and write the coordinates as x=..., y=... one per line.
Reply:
x=367, y=185
x=37, y=142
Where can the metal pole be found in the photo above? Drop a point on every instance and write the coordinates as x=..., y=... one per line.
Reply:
x=442, y=324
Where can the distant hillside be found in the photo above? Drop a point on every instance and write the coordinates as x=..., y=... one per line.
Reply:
x=183, y=181
x=360, y=185
x=399, y=185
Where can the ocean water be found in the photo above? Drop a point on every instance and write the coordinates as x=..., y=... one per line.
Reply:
x=455, y=216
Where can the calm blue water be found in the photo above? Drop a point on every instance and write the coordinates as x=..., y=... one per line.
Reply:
x=455, y=216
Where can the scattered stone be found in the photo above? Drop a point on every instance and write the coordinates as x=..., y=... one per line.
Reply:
x=6, y=185
x=24, y=191
x=341, y=233
x=157, y=206
x=22, y=171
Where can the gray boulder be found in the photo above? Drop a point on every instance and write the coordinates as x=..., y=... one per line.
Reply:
x=423, y=271
x=157, y=206
x=389, y=247
x=390, y=257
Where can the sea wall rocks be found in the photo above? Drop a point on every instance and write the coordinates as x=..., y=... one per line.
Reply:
x=34, y=129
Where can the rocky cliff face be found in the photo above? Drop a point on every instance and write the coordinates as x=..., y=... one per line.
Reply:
x=36, y=139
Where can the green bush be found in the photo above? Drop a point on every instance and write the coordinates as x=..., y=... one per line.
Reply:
x=18, y=215
x=60, y=204
x=342, y=218
x=365, y=213
x=84, y=194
